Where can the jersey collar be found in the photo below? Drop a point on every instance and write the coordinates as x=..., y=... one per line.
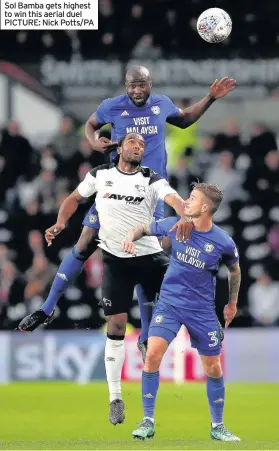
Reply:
x=128, y=173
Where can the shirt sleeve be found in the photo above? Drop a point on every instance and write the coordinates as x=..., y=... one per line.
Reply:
x=161, y=188
x=230, y=254
x=88, y=186
x=103, y=112
x=163, y=226
x=171, y=109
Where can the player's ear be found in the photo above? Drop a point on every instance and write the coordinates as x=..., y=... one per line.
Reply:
x=119, y=150
x=204, y=208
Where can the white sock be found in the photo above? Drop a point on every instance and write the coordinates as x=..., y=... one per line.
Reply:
x=114, y=360
x=216, y=424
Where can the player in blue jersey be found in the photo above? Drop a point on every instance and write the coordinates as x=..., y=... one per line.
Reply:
x=187, y=297
x=140, y=111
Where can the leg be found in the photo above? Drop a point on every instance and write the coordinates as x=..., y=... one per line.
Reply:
x=68, y=271
x=163, y=329
x=117, y=294
x=71, y=267
x=145, y=305
x=114, y=360
x=205, y=329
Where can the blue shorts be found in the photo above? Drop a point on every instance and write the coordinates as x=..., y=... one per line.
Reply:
x=91, y=218
x=203, y=327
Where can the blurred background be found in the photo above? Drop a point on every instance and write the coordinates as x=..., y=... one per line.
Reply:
x=51, y=81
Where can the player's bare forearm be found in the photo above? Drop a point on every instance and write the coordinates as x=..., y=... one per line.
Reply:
x=92, y=131
x=191, y=114
x=176, y=202
x=68, y=207
x=138, y=232
x=234, y=279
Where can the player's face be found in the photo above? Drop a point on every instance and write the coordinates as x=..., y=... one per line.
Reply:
x=138, y=90
x=132, y=150
x=196, y=204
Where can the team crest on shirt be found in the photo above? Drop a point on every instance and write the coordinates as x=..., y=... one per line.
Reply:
x=93, y=219
x=140, y=188
x=158, y=319
x=208, y=247
x=155, y=110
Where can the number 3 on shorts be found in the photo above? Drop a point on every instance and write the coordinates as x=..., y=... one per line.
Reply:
x=213, y=338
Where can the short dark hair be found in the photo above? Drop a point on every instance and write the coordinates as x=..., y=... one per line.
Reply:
x=212, y=192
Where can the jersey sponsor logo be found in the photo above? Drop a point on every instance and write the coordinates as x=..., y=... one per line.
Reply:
x=159, y=319
x=140, y=188
x=125, y=113
x=142, y=126
x=208, y=247
x=135, y=200
x=155, y=110
x=92, y=219
x=191, y=256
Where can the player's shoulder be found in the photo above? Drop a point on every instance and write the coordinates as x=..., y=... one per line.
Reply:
x=152, y=175
x=167, y=223
x=160, y=98
x=222, y=236
x=101, y=168
x=114, y=101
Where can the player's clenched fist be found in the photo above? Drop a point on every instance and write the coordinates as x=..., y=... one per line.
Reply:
x=51, y=233
x=129, y=247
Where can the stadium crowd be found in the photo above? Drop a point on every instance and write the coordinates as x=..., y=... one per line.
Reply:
x=34, y=182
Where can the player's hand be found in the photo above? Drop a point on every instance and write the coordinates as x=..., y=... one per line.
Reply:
x=229, y=313
x=220, y=88
x=52, y=232
x=129, y=246
x=103, y=144
x=183, y=229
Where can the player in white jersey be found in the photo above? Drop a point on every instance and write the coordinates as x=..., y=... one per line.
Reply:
x=127, y=194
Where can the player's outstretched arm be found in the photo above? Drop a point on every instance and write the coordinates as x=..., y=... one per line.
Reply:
x=66, y=211
x=135, y=234
x=176, y=202
x=234, y=279
x=188, y=116
x=92, y=133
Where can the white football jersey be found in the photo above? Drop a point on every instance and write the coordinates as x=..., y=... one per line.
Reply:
x=124, y=200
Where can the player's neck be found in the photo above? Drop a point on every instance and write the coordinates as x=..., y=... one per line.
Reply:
x=202, y=224
x=128, y=168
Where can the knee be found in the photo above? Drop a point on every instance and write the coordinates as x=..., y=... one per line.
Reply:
x=213, y=369
x=116, y=325
x=153, y=359
x=87, y=244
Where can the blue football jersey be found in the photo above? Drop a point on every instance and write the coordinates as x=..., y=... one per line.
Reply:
x=190, y=280
x=148, y=120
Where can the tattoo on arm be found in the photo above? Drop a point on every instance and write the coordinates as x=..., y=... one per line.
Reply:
x=234, y=282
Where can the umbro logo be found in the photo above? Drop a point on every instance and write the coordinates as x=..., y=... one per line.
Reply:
x=108, y=183
x=125, y=113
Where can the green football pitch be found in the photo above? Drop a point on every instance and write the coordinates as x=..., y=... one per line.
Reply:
x=46, y=415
